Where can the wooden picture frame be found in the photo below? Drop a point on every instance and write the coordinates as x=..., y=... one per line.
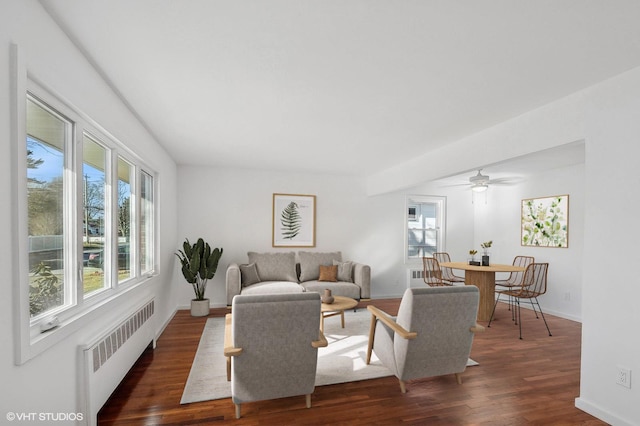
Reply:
x=293, y=220
x=545, y=222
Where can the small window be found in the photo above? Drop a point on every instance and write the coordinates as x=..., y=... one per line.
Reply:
x=146, y=223
x=95, y=238
x=424, y=226
x=125, y=212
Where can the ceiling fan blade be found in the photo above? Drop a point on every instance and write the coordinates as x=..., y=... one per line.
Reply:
x=506, y=181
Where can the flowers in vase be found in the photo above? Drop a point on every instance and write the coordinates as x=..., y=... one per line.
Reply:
x=485, y=246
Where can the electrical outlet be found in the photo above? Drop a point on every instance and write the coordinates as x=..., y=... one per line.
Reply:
x=623, y=378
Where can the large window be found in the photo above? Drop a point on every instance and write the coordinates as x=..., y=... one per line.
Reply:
x=90, y=213
x=47, y=146
x=425, y=224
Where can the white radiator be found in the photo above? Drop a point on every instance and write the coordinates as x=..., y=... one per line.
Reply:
x=107, y=359
x=414, y=278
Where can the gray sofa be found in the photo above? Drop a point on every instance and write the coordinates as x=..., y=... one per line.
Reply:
x=273, y=273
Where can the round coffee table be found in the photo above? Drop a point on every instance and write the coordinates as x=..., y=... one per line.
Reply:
x=340, y=303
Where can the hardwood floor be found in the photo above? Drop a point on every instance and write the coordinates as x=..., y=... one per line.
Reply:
x=530, y=381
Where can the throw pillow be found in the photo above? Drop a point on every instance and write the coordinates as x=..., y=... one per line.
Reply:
x=249, y=274
x=310, y=262
x=328, y=273
x=345, y=271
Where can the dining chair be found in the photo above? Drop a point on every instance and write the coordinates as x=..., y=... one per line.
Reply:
x=431, y=272
x=534, y=284
x=515, y=278
x=447, y=273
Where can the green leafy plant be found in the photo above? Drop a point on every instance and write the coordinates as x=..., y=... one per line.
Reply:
x=485, y=246
x=46, y=291
x=473, y=252
x=291, y=221
x=199, y=264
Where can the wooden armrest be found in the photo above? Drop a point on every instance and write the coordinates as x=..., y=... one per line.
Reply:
x=389, y=322
x=476, y=328
x=321, y=342
x=229, y=350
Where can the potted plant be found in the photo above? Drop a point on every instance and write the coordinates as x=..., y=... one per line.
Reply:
x=485, y=247
x=199, y=264
x=472, y=259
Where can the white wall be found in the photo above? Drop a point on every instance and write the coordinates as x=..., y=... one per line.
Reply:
x=499, y=220
x=232, y=209
x=236, y=213
x=610, y=288
x=49, y=382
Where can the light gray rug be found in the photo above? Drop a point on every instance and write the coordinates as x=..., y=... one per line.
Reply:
x=344, y=360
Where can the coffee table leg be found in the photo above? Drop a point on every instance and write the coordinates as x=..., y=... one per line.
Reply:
x=342, y=317
x=321, y=322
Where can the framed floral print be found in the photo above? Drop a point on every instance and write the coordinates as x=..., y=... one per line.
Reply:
x=545, y=222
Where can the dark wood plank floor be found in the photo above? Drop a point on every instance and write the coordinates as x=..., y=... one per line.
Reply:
x=530, y=381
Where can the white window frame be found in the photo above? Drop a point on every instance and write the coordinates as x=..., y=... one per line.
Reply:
x=30, y=340
x=412, y=201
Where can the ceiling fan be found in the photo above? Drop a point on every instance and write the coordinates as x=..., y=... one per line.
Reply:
x=480, y=182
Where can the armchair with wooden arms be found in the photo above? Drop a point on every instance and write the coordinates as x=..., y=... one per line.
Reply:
x=271, y=345
x=431, y=336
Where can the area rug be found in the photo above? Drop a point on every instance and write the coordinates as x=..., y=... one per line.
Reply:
x=343, y=360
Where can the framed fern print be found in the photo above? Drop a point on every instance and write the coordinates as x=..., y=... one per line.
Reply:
x=294, y=220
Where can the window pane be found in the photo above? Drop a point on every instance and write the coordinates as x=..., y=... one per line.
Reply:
x=125, y=171
x=93, y=221
x=424, y=221
x=47, y=133
x=146, y=223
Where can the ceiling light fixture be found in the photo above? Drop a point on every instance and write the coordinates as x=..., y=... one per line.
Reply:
x=479, y=187
x=479, y=182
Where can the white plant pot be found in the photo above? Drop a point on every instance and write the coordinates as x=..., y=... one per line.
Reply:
x=199, y=308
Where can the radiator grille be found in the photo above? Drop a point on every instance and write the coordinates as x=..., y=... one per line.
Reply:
x=416, y=274
x=104, y=349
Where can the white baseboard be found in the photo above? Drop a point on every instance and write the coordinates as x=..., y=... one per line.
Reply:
x=164, y=325
x=550, y=312
x=601, y=414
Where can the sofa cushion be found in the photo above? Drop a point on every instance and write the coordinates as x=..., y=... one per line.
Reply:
x=345, y=271
x=310, y=263
x=339, y=288
x=328, y=273
x=275, y=266
x=273, y=287
x=249, y=274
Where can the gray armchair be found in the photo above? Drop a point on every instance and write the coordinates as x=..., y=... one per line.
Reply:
x=431, y=336
x=273, y=341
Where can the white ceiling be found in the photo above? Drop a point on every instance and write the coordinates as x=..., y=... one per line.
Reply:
x=342, y=86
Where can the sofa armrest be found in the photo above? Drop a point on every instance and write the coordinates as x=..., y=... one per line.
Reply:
x=362, y=278
x=232, y=282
